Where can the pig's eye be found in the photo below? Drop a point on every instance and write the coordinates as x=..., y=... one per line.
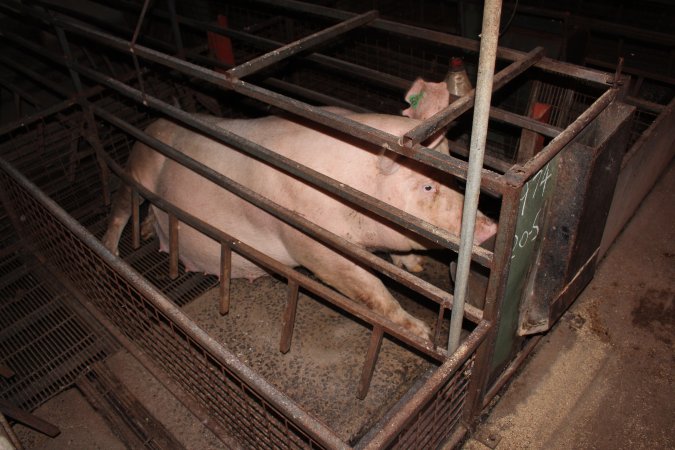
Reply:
x=428, y=187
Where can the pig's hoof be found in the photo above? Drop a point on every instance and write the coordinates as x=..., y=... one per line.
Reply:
x=112, y=247
x=412, y=262
x=418, y=328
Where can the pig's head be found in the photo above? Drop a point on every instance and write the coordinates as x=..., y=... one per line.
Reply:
x=430, y=195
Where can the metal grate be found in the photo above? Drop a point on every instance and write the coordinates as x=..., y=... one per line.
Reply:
x=42, y=340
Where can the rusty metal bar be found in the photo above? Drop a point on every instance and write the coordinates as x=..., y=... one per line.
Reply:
x=173, y=246
x=135, y=220
x=519, y=173
x=49, y=84
x=175, y=27
x=225, y=278
x=28, y=419
x=261, y=259
x=387, y=434
x=491, y=180
x=463, y=104
x=77, y=83
x=496, y=288
x=288, y=321
x=428, y=156
x=398, y=274
x=547, y=64
x=370, y=361
x=259, y=386
x=300, y=45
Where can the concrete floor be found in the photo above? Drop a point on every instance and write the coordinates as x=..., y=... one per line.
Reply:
x=603, y=377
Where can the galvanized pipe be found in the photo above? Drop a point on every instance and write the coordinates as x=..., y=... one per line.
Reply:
x=486, y=68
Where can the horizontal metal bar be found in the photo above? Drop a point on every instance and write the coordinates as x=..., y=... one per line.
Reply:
x=311, y=285
x=300, y=45
x=334, y=241
x=402, y=276
x=262, y=388
x=524, y=122
x=491, y=180
x=437, y=37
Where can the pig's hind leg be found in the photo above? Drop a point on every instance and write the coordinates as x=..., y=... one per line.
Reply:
x=119, y=216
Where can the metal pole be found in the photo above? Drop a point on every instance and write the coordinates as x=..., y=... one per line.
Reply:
x=481, y=114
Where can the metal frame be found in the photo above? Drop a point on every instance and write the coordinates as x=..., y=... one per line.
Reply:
x=508, y=186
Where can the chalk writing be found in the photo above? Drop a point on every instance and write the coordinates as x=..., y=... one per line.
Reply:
x=533, y=195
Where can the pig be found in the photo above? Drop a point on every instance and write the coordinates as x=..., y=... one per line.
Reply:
x=404, y=183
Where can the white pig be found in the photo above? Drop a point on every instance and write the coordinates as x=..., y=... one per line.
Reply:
x=403, y=183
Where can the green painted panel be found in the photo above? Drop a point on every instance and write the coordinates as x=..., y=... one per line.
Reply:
x=531, y=212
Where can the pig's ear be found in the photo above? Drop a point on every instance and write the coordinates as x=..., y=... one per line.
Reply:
x=426, y=99
x=386, y=162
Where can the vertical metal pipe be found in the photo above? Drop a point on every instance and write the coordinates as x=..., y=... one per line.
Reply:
x=135, y=220
x=173, y=246
x=69, y=58
x=175, y=26
x=225, y=277
x=481, y=114
x=289, y=316
x=371, y=359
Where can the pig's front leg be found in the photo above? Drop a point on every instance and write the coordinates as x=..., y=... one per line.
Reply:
x=119, y=216
x=411, y=261
x=358, y=284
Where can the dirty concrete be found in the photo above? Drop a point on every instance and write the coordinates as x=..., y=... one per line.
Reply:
x=603, y=377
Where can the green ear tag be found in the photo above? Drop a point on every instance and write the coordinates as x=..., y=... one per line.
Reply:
x=414, y=100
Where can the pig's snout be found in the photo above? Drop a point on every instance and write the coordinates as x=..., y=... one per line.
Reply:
x=485, y=228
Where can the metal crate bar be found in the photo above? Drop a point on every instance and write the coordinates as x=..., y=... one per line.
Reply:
x=261, y=259
x=547, y=64
x=304, y=44
x=401, y=421
x=527, y=170
x=429, y=231
x=88, y=264
x=453, y=166
x=336, y=64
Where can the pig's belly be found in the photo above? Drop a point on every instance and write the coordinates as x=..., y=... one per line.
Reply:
x=199, y=253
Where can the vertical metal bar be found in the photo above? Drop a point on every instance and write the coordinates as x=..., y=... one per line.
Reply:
x=496, y=289
x=225, y=277
x=173, y=247
x=371, y=359
x=135, y=220
x=289, y=316
x=95, y=141
x=69, y=58
x=486, y=68
x=175, y=26
x=439, y=323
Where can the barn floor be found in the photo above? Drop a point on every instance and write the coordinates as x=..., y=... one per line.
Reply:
x=603, y=378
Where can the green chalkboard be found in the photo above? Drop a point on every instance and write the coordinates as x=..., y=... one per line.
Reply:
x=531, y=214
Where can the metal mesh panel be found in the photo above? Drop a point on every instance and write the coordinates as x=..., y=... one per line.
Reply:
x=438, y=418
x=42, y=340
x=231, y=403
